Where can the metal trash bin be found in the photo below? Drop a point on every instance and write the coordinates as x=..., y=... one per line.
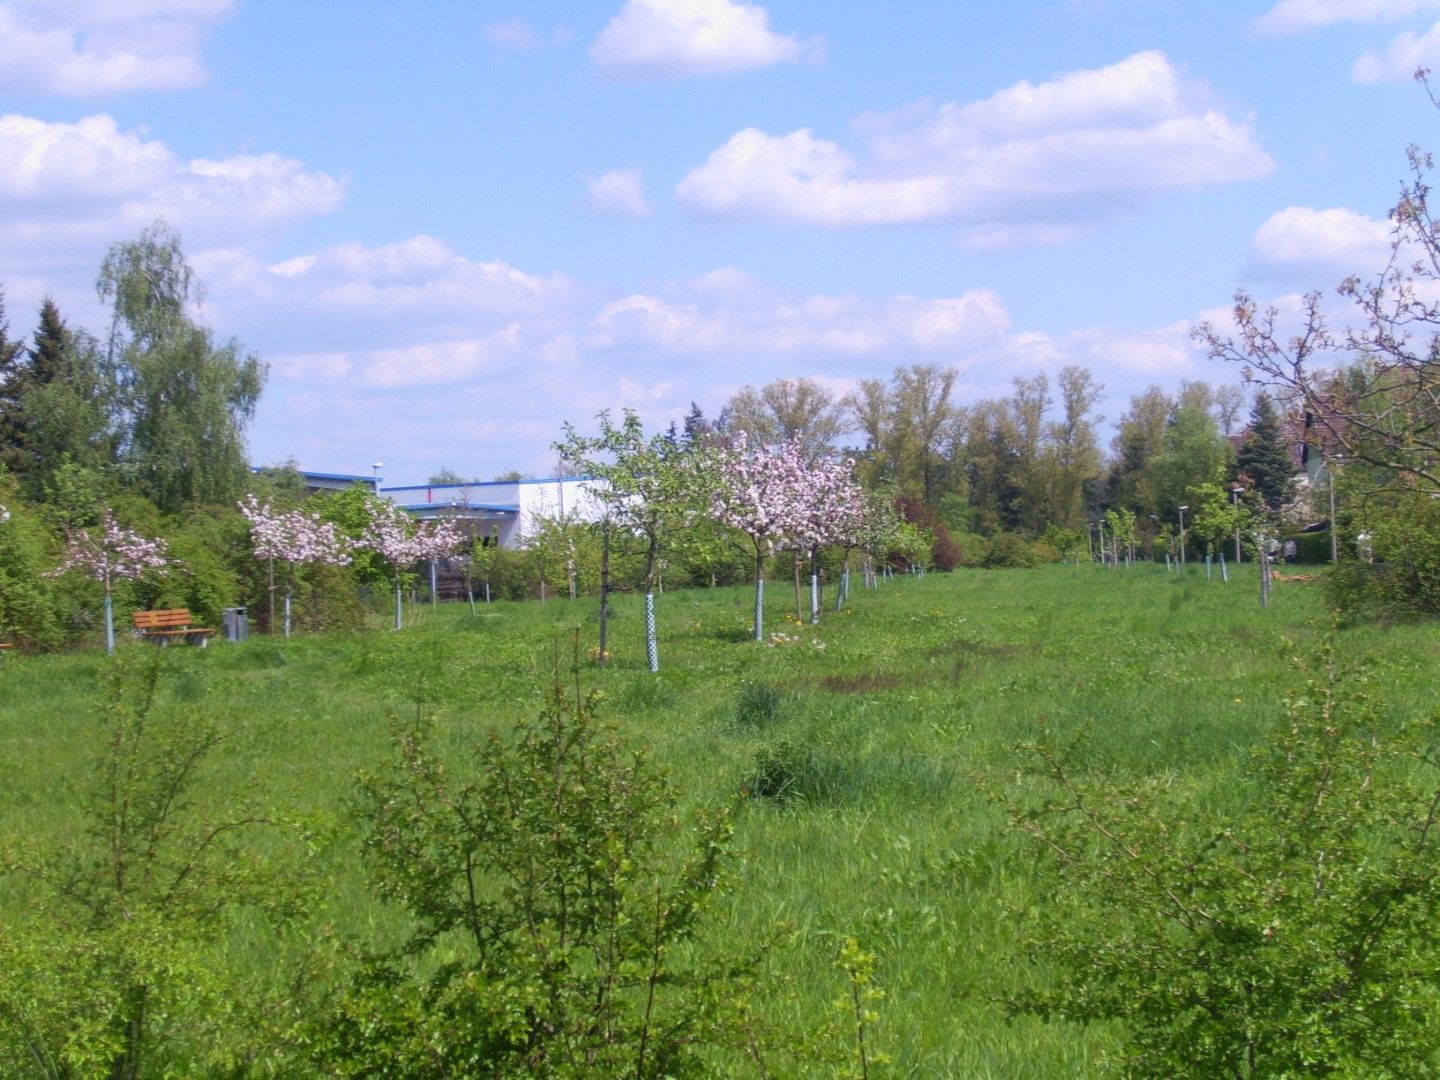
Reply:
x=234, y=623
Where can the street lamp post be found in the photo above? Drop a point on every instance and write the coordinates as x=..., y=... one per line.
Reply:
x=1330, y=464
x=1182, y=534
x=1235, y=493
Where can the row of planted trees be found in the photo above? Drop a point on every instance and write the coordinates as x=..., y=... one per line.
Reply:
x=284, y=541
x=653, y=490
x=651, y=499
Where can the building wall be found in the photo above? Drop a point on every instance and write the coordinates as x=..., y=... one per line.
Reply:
x=514, y=505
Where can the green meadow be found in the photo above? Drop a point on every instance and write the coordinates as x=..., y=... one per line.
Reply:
x=865, y=758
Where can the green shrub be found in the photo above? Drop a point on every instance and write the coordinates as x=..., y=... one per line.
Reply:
x=1290, y=937
x=974, y=548
x=1045, y=552
x=1010, y=551
x=34, y=609
x=555, y=899
x=1404, y=580
x=109, y=970
x=1311, y=547
x=206, y=549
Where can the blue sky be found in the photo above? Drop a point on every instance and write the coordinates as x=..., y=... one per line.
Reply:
x=452, y=227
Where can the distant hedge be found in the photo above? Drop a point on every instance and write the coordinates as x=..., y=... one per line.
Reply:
x=1314, y=547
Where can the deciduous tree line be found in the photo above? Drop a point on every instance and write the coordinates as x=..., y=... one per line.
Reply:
x=1030, y=462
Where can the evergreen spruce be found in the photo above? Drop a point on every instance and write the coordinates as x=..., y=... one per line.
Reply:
x=12, y=419
x=48, y=354
x=1263, y=456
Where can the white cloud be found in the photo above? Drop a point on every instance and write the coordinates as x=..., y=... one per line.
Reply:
x=89, y=182
x=487, y=360
x=698, y=322
x=620, y=192
x=679, y=38
x=91, y=161
x=1294, y=16
x=1336, y=240
x=1401, y=57
x=370, y=306
x=90, y=48
x=421, y=275
x=1032, y=161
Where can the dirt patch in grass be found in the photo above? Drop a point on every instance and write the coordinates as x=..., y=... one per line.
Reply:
x=865, y=682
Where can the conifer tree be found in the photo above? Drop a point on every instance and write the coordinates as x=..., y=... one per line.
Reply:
x=11, y=377
x=51, y=342
x=1263, y=456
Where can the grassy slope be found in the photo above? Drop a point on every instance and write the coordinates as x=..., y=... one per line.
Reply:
x=891, y=712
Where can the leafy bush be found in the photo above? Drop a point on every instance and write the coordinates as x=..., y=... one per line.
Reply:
x=974, y=548
x=945, y=553
x=207, y=549
x=1311, y=547
x=1404, y=581
x=553, y=916
x=108, y=971
x=1010, y=551
x=34, y=609
x=1044, y=551
x=1290, y=938
x=1356, y=590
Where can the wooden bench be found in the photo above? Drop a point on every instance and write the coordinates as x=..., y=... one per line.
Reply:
x=165, y=626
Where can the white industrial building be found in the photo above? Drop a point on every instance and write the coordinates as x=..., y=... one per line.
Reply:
x=511, y=506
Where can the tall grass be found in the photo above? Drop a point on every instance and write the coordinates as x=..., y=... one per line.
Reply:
x=857, y=752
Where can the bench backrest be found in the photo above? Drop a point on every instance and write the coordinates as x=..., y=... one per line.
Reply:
x=168, y=619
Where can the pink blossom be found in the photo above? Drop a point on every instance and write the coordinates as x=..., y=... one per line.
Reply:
x=396, y=537
x=116, y=553
x=293, y=536
x=778, y=498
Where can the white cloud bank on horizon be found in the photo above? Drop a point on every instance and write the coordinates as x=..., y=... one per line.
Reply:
x=82, y=49
x=1031, y=162
x=673, y=39
x=393, y=308
x=528, y=348
x=416, y=355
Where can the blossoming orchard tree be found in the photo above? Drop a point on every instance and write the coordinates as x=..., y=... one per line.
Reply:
x=827, y=508
x=879, y=532
x=294, y=538
x=754, y=493
x=402, y=542
x=113, y=554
